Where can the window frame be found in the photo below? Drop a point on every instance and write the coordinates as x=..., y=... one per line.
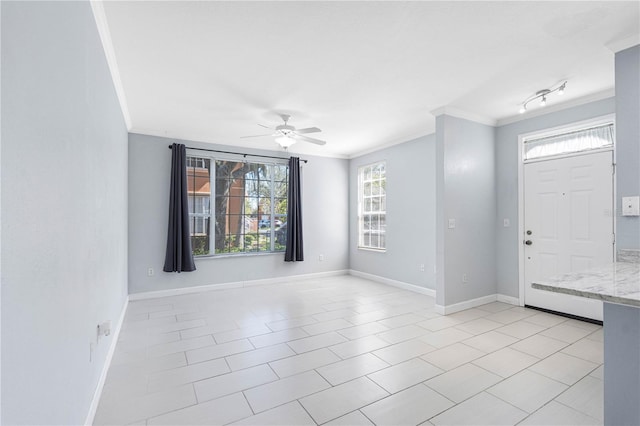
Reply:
x=194, y=153
x=607, y=120
x=381, y=231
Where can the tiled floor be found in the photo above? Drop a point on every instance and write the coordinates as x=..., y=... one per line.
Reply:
x=347, y=351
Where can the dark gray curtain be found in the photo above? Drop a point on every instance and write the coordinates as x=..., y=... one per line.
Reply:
x=294, y=251
x=178, y=257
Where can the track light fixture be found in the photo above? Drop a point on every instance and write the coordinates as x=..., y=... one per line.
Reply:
x=542, y=95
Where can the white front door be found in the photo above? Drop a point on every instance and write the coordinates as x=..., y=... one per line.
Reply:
x=568, y=224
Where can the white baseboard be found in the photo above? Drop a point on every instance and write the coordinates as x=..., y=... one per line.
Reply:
x=394, y=283
x=508, y=299
x=237, y=284
x=467, y=304
x=105, y=368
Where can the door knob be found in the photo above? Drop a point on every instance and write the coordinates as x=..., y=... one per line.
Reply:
x=528, y=242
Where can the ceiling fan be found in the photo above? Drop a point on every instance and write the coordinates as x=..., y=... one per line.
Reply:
x=286, y=135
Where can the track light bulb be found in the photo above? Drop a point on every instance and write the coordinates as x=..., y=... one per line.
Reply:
x=523, y=109
x=561, y=90
x=543, y=102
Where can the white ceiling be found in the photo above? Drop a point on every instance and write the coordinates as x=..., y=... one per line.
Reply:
x=369, y=74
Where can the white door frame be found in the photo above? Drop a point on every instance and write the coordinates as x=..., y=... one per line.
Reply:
x=605, y=119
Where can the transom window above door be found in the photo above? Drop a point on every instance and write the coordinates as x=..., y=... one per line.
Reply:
x=563, y=143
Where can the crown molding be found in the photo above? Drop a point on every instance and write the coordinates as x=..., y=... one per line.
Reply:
x=624, y=43
x=97, y=6
x=598, y=96
x=385, y=146
x=466, y=115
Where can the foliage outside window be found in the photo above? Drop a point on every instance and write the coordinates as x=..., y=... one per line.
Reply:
x=249, y=213
x=372, y=206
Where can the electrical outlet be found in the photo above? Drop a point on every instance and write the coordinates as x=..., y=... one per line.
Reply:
x=452, y=223
x=150, y=272
x=465, y=279
x=104, y=329
x=506, y=223
x=421, y=267
x=321, y=258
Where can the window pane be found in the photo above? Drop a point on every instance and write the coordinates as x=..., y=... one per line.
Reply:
x=280, y=173
x=264, y=241
x=372, y=200
x=242, y=203
x=375, y=187
x=581, y=140
x=367, y=189
x=251, y=242
x=198, y=193
x=251, y=206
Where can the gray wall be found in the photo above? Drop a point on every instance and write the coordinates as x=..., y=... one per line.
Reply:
x=621, y=366
x=410, y=214
x=628, y=143
x=466, y=192
x=64, y=222
x=507, y=239
x=325, y=222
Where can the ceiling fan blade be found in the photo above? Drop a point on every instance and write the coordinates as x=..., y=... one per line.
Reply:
x=266, y=127
x=308, y=130
x=255, y=136
x=308, y=139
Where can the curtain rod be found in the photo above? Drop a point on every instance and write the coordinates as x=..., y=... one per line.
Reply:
x=239, y=153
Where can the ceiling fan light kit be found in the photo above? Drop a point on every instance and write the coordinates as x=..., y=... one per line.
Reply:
x=285, y=141
x=286, y=135
x=542, y=95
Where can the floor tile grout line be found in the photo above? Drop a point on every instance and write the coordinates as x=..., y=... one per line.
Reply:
x=511, y=404
x=488, y=313
x=574, y=409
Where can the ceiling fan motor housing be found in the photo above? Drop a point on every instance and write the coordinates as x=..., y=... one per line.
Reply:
x=285, y=129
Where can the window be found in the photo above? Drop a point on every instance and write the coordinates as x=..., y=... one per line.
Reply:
x=372, y=206
x=249, y=212
x=595, y=137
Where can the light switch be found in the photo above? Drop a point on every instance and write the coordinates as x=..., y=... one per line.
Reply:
x=452, y=223
x=630, y=206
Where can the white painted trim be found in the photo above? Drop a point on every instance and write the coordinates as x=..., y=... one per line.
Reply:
x=624, y=43
x=385, y=146
x=521, y=219
x=567, y=128
x=394, y=283
x=605, y=94
x=508, y=299
x=99, y=15
x=237, y=284
x=467, y=304
x=466, y=115
x=105, y=368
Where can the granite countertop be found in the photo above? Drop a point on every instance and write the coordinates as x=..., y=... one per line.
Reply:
x=616, y=283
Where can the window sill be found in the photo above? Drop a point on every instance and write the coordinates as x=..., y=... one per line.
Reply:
x=372, y=249
x=231, y=255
